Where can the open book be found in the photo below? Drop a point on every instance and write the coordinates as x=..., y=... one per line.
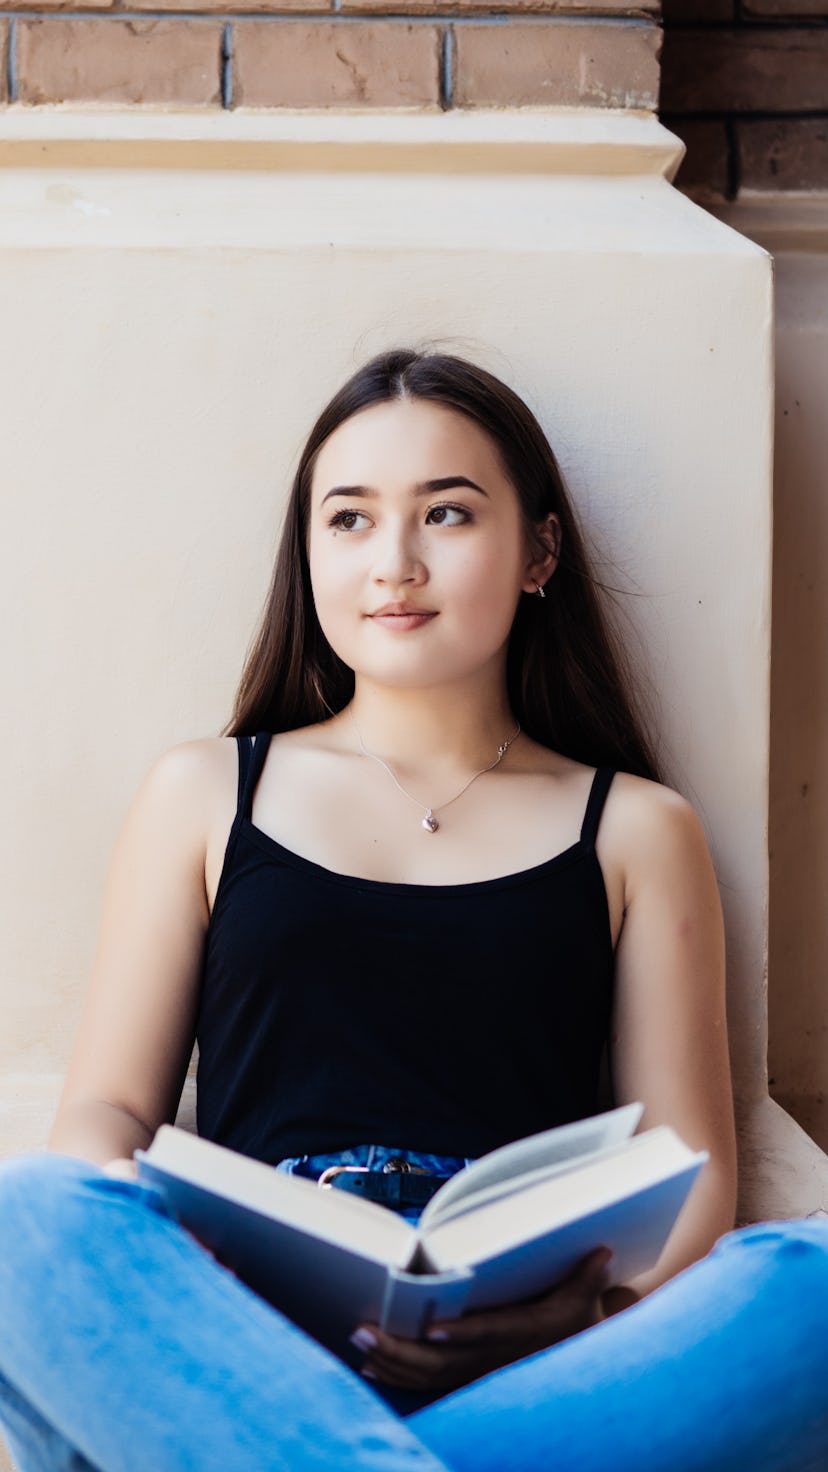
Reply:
x=505, y=1228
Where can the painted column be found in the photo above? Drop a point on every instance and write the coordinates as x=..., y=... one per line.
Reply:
x=179, y=294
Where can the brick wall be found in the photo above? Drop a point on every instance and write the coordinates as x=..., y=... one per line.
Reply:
x=745, y=84
x=332, y=53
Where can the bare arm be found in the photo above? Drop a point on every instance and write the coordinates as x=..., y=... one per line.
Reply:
x=136, y=1033
x=670, y=1032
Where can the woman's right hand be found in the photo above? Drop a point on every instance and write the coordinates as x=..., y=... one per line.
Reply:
x=457, y=1351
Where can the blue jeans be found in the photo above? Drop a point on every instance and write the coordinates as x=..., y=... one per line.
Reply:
x=125, y=1348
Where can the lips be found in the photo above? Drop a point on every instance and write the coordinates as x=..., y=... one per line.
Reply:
x=399, y=617
x=401, y=610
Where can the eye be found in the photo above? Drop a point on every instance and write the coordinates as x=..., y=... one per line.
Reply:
x=347, y=521
x=447, y=515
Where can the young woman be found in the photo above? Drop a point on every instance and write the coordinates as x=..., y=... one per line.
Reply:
x=405, y=925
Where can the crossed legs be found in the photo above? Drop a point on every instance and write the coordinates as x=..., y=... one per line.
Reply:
x=124, y=1346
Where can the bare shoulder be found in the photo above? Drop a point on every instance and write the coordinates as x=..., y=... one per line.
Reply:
x=647, y=825
x=193, y=766
x=650, y=808
x=194, y=762
x=192, y=780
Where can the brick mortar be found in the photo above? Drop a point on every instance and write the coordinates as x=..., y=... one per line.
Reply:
x=317, y=17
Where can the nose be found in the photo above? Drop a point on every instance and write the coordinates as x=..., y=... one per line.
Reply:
x=398, y=556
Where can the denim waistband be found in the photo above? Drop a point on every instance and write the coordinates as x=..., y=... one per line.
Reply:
x=373, y=1157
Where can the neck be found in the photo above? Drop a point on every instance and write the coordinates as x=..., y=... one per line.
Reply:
x=454, y=727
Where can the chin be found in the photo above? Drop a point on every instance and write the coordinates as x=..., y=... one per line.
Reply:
x=422, y=675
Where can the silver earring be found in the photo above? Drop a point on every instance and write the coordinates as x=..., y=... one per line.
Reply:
x=540, y=592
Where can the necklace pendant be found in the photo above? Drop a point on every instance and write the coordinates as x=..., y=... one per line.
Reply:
x=430, y=822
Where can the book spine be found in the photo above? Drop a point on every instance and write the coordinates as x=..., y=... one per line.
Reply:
x=413, y=1300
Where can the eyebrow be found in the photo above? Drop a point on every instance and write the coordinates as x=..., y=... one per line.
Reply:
x=425, y=488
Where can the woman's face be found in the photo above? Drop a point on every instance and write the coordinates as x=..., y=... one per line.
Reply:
x=417, y=549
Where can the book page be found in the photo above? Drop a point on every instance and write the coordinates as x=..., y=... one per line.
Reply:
x=648, y=1161
x=329, y=1215
x=635, y=1228
x=502, y=1171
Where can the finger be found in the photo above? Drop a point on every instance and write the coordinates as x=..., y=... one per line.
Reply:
x=510, y=1324
x=440, y=1376
x=391, y=1370
x=589, y=1278
x=399, y=1376
x=569, y=1307
x=399, y=1380
x=589, y=1269
x=415, y=1365
x=475, y=1330
x=371, y=1339
x=390, y=1351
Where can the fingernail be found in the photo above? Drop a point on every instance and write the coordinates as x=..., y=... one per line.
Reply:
x=368, y=1373
x=364, y=1339
x=438, y=1335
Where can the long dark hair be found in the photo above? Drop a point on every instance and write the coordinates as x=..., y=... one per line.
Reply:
x=568, y=682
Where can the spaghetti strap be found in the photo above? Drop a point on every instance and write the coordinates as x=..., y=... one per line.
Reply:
x=595, y=804
x=252, y=753
x=245, y=750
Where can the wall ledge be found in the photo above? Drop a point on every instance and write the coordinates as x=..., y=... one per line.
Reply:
x=779, y=222
x=481, y=141
x=782, y=1172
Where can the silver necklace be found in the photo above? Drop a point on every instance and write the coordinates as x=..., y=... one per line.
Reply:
x=429, y=822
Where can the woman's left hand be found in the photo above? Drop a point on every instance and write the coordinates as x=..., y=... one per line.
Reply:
x=456, y=1351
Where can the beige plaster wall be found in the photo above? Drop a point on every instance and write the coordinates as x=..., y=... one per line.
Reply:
x=171, y=330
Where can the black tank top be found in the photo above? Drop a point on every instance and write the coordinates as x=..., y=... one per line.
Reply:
x=338, y=1011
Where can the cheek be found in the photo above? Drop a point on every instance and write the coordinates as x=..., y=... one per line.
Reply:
x=490, y=581
x=329, y=573
x=335, y=587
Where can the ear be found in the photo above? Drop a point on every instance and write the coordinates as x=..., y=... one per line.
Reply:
x=544, y=555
